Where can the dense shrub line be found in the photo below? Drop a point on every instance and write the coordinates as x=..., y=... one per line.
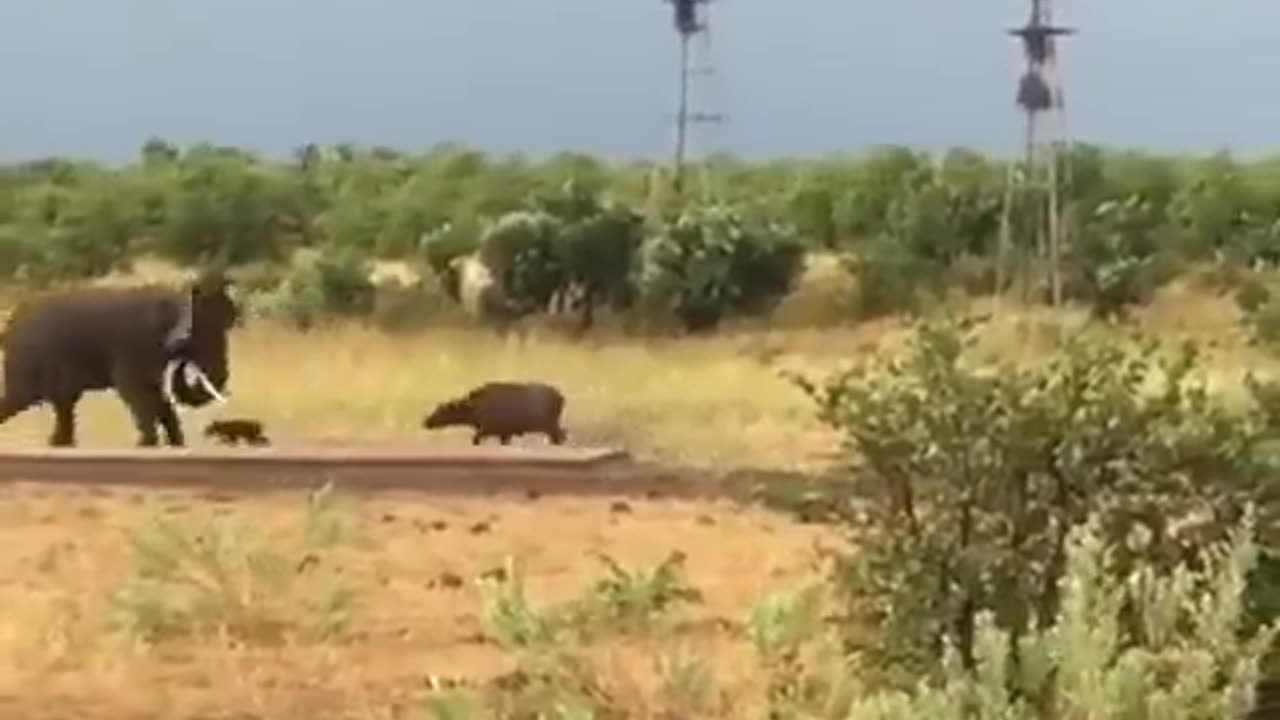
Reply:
x=573, y=234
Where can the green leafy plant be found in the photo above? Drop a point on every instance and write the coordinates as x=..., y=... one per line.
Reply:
x=514, y=622
x=634, y=599
x=974, y=471
x=809, y=675
x=709, y=261
x=913, y=226
x=556, y=675
x=1116, y=259
x=320, y=285
x=519, y=248
x=1183, y=657
x=223, y=577
x=688, y=683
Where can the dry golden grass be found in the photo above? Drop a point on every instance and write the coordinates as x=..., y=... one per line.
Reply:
x=715, y=401
x=65, y=553
x=710, y=401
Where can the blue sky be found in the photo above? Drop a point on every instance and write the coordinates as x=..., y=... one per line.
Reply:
x=96, y=77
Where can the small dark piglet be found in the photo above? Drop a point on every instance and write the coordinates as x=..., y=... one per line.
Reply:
x=504, y=410
x=231, y=432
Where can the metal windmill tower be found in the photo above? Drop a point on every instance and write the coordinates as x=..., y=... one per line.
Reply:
x=1033, y=196
x=691, y=22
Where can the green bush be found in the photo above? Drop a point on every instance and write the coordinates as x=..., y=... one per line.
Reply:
x=597, y=254
x=943, y=217
x=519, y=248
x=708, y=262
x=977, y=470
x=224, y=206
x=322, y=284
x=1183, y=659
x=1116, y=262
x=440, y=247
x=890, y=278
x=915, y=226
x=1124, y=644
x=1261, y=311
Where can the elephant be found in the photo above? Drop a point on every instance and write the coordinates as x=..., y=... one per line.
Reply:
x=133, y=339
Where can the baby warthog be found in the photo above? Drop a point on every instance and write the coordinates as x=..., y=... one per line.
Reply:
x=504, y=410
x=231, y=432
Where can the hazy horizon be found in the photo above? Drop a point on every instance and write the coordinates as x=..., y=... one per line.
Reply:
x=97, y=79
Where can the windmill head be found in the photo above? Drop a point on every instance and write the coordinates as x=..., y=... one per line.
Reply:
x=687, y=17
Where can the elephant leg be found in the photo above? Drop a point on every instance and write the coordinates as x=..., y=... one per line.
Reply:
x=171, y=424
x=145, y=420
x=145, y=403
x=64, y=421
x=504, y=439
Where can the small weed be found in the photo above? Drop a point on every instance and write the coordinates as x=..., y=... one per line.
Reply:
x=511, y=619
x=226, y=578
x=688, y=688
x=783, y=621
x=557, y=676
x=455, y=704
x=635, y=599
x=809, y=677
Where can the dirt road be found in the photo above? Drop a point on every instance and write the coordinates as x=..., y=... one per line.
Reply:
x=466, y=471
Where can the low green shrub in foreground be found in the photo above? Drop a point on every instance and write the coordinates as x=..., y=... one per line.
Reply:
x=1145, y=644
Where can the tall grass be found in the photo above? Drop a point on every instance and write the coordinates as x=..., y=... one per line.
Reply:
x=715, y=401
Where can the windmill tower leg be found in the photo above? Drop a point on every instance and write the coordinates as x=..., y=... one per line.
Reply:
x=690, y=22
x=682, y=119
x=1034, y=204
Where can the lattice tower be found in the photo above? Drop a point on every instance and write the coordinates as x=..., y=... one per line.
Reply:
x=692, y=24
x=1034, y=189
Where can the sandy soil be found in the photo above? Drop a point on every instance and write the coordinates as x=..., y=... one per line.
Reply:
x=66, y=553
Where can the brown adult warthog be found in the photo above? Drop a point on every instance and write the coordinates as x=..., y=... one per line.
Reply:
x=135, y=340
x=504, y=410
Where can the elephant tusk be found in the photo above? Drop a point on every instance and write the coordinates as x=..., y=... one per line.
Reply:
x=166, y=382
x=193, y=371
x=191, y=374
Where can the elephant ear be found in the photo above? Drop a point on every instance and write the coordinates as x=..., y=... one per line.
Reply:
x=180, y=333
x=211, y=298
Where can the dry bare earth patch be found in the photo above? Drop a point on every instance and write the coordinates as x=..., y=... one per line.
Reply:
x=410, y=563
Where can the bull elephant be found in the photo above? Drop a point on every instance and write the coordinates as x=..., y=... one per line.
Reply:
x=131, y=339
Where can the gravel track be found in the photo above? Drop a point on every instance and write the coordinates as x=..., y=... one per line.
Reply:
x=469, y=471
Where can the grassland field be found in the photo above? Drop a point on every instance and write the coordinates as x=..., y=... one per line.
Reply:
x=714, y=402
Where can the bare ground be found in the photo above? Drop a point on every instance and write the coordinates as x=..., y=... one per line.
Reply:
x=65, y=553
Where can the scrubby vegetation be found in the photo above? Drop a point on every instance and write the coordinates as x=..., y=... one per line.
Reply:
x=573, y=235
x=1182, y=658
x=1086, y=536
x=1082, y=528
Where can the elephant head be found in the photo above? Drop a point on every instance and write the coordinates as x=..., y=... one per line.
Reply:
x=197, y=344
